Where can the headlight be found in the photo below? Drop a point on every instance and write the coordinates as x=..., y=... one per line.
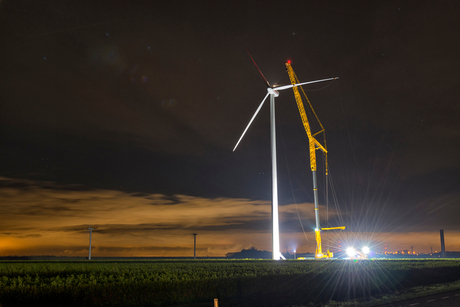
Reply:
x=366, y=250
x=351, y=252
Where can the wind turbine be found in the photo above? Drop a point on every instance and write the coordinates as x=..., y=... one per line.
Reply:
x=274, y=92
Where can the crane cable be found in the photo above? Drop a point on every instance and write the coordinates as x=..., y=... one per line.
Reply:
x=326, y=166
x=316, y=116
x=292, y=189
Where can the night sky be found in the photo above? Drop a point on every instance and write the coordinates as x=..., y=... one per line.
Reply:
x=122, y=116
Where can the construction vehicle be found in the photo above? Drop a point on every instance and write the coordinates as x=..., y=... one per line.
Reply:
x=313, y=146
x=357, y=254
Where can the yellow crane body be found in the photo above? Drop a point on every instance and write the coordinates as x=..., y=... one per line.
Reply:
x=313, y=146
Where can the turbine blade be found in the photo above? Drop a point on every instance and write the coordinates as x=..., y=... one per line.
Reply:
x=250, y=122
x=265, y=79
x=280, y=88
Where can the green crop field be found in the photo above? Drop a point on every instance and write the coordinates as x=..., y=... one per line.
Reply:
x=233, y=282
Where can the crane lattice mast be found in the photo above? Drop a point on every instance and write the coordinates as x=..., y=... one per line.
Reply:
x=313, y=146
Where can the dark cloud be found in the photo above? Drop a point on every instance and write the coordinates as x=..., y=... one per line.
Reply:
x=42, y=209
x=162, y=249
x=27, y=184
x=174, y=200
x=19, y=235
x=116, y=229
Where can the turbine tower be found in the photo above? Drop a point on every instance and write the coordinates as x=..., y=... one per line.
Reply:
x=274, y=92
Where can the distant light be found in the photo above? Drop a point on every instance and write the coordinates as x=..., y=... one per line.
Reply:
x=289, y=61
x=351, y=251
x=366, y=250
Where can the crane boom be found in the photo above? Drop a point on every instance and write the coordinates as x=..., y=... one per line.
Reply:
x=313, y=146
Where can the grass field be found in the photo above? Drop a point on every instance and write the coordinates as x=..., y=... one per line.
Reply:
x=233, y=282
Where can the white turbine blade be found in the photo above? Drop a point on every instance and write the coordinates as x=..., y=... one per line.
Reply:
x=279, y=88
x=250, y=122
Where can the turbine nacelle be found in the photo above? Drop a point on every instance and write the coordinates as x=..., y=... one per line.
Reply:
x=272, y=92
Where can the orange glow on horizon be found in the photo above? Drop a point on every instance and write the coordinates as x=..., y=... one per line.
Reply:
x=46, y=221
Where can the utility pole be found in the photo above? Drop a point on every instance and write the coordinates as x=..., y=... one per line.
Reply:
x=90, y=233
x=194, y=246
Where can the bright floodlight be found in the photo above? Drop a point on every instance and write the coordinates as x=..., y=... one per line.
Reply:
x=351, y=252
x=366, y=250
